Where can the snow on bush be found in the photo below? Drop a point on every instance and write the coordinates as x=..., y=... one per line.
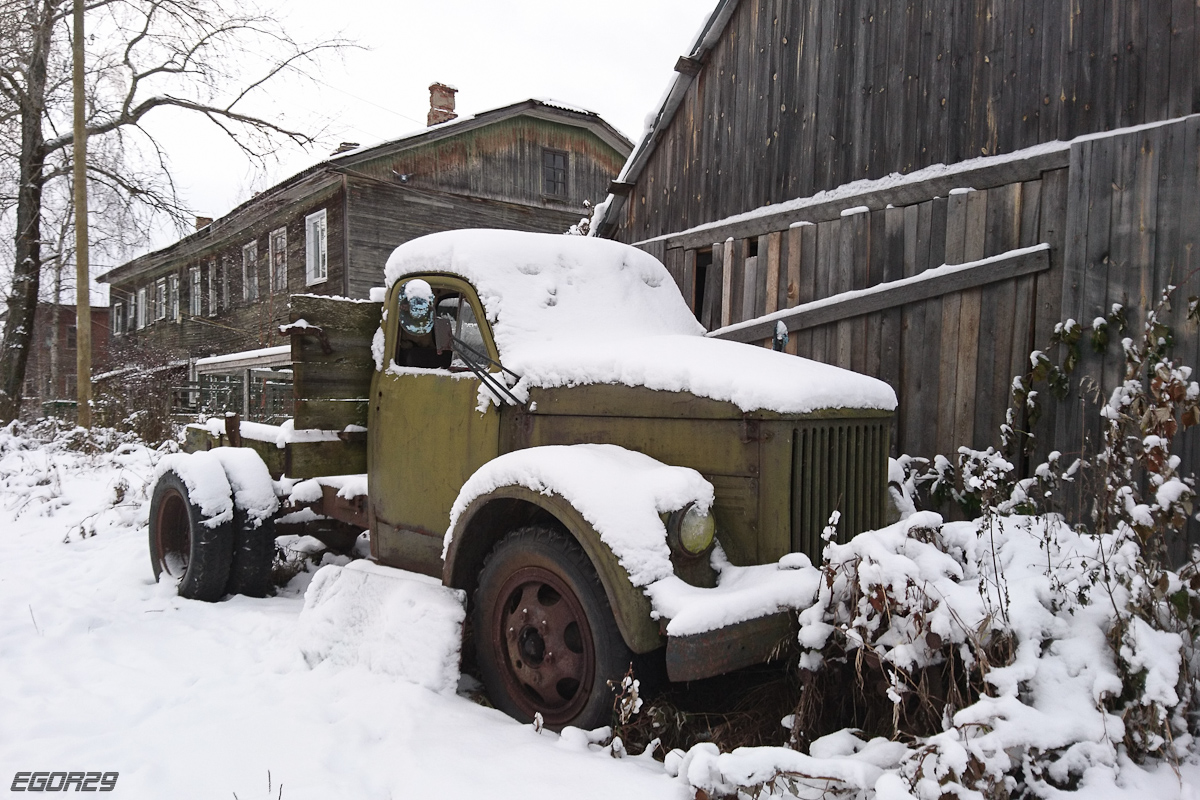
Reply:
x=399, y=623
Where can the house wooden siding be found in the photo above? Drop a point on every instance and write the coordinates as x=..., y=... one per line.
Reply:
x=479, y=172
x=503, y=162
x=241, y=324
x=800, y=96
x=383, y=214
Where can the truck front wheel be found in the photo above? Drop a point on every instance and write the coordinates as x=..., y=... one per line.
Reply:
x=546, y=641
x=194, y=555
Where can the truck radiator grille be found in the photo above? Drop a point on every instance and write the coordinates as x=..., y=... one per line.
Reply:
x=842, y=465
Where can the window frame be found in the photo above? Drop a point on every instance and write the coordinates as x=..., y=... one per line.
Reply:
x=173, y=297
x=277, y=252
x=141, y=308
x=160, y=299
x=194, y=296
x=117, y=319
x=212, y=287
x=550, y=178
x=316, y=248
x=250, y=271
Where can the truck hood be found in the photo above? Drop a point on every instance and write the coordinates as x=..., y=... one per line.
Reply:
x=752, y=378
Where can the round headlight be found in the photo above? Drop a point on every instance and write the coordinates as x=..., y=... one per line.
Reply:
x=693, y=529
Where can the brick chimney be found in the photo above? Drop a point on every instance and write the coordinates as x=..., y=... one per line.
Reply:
x=203, y=222
x=441, y=103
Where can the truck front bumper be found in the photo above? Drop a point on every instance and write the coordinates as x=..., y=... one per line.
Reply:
x=703, y=655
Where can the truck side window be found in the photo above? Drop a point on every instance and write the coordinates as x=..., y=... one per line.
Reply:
x=467, y=329
x=416, y=349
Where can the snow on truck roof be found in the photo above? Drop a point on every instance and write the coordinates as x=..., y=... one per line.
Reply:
x=573, y=310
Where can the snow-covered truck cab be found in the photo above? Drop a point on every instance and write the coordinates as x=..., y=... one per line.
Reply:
x=549, y=430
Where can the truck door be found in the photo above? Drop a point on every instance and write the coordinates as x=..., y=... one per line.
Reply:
x=427, y=433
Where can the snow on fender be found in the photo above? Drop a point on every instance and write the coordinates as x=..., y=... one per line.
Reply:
x=250, y=482
x=208, y=488
x=621, y=494
x=393, y=622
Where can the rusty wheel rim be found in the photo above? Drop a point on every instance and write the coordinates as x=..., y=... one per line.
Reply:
x=173, y=535
x=544, y=641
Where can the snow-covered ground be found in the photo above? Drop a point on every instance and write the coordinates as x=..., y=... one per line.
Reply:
x=103, y=670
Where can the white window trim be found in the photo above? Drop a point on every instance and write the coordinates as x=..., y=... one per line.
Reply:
x=275, y=235
x=316, y=248
x=250, y=271
x=160, y=299
x=141, y=307
x=212, y=288
x=194, y=292
x=118, y=318
x=173, y=297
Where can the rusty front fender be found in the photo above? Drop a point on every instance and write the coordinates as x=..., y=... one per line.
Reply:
x=489, y=517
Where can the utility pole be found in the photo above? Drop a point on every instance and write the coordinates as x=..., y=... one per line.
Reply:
x=83, y=283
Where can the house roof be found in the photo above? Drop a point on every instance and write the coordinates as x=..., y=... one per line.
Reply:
x=686, y=70
x=324, y=173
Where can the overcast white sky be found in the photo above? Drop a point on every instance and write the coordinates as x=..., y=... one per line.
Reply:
x=614, y=57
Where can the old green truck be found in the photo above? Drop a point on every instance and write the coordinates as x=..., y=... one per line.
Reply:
x=540, y=422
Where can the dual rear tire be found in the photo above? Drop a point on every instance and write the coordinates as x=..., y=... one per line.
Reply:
x=206, y=561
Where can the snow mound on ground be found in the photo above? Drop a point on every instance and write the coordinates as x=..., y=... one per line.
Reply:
x=390, y=621
x=204, y=476
x=574, y=310
x=589, y=476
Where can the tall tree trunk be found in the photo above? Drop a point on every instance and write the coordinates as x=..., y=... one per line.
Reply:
x=27, y=269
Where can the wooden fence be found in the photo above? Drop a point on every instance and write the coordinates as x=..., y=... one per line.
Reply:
x=1118, y=215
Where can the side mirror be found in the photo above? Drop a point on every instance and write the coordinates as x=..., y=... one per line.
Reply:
x=443, y=334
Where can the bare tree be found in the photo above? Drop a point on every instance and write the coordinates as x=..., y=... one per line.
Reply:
x=210, y=58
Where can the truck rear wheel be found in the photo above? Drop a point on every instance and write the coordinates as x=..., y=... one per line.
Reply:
x=197, y=557
x=253, y=556
x=545, y=638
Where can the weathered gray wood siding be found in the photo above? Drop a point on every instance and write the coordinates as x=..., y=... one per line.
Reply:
x=241, y=324
x=503, y=161
x=1122, y=221
x=384, y=214
x=801, y=96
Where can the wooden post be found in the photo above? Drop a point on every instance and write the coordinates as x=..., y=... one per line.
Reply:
x=83, y=293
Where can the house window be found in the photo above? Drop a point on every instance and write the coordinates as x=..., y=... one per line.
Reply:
x=71, y=343
x=118, y=318
x=225, y=270
x=141, y=308
x=250, y=272
x=212, y=288
x=194, y=291
x=554, y=172
x=278, y=245
x=315, y=248
x=160, y=299
x=173, y=297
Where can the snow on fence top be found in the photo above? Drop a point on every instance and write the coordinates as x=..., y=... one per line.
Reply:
x=571, y=310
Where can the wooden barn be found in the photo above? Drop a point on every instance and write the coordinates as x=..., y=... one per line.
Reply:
x=329, y=229
x=819, y=163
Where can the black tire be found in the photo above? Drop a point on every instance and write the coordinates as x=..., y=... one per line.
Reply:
x=545, y=638
x=197, y=557
x=253, y=556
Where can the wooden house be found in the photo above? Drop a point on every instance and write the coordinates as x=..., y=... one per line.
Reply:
x=329, y=229
x=817, y=162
